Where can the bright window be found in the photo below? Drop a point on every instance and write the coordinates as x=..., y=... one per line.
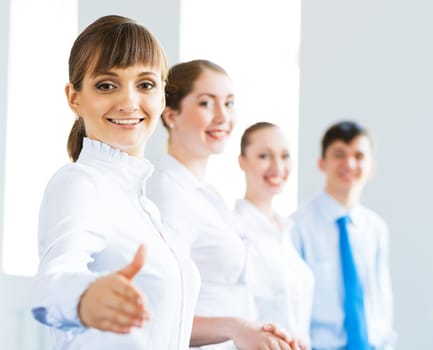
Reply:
x=38, y=119
x=257, y=43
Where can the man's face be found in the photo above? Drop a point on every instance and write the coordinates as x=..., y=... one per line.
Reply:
x=347, y=166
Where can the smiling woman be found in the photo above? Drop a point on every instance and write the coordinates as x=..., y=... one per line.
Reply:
x=95, y=220
x=117, y=107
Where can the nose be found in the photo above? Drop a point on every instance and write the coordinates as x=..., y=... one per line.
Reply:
x=351, y=162
x=279, y=165
x=129, y=100
x=222, y=114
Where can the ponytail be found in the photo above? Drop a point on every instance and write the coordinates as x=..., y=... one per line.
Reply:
x=75, y=140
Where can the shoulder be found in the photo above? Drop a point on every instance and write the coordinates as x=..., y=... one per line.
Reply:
x=375, y=222
x=161, y=187
x=305, y=212
x=72, y=186
x=172, y=200
x=373, y=218
x=72, y=176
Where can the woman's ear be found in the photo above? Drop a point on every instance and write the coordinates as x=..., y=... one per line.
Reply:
x=73, y=98
x=241, y=161
x=169, y=116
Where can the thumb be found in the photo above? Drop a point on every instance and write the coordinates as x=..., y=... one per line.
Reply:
x=130, y=270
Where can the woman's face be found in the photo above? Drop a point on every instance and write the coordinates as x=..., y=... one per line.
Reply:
x=120, y=107
x=206, y=116
x=266, y=162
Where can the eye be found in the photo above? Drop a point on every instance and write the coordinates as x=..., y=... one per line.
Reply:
x=359, y=156
x=339, y=155
x=264, y=156
x=285, y=156
x=206, y=103
x=230, y=104
x=105, y=86
x=146, y=85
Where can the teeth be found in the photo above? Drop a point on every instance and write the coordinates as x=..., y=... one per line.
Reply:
x=125, y=121
x=218, y=133
x=275, y=180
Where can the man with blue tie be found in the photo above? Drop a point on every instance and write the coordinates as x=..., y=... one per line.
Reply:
x=346, y=246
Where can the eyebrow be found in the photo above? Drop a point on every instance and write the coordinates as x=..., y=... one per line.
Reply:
x=212, y=95
x=113, y=74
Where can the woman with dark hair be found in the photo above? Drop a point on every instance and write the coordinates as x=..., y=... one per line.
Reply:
x=96, y=285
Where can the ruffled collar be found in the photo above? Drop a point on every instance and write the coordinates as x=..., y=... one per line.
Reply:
x=131, y=170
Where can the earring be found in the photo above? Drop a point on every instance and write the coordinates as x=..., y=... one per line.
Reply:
x=171, y=126
x=77, y=116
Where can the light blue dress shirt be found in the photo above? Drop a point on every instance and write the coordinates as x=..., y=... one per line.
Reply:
x=93, y=217
x=315, y=236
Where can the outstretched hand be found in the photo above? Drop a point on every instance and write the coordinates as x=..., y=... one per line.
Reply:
x=112, y=303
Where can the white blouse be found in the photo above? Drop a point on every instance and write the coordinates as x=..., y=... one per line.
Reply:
x=283, y=283
x=198, y=219
x=93, y=217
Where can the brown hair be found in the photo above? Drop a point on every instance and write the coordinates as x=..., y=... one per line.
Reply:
x=110, y=41
x=181, y=79
x=246, y=136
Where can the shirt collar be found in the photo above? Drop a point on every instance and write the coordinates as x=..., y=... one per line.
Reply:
x=132, y=172
x=179, y=172
x=332, y=210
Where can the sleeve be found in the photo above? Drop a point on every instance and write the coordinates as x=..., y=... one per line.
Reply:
x=70, y=232
x=384, y=283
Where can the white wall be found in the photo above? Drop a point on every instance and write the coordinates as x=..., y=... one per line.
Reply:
x=4, y=44
x=372, y=60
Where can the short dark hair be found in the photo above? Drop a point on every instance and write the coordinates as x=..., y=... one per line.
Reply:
x=344, y=131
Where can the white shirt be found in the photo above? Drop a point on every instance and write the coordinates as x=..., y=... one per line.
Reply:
x=283, y=283
x=93, y=217
x=316, y=237
x=198, y=219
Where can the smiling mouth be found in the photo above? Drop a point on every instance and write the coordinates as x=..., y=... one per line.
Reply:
x=134, y=121
x=275, y=181
x=217, y=134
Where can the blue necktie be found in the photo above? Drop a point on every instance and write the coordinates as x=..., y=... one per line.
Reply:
x=355, y=323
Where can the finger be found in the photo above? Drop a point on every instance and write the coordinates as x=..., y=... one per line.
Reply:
x=123, y=288
x=284, y=345
x=107, y=325
x=130, y=270
x=132, y=309
x=121, y=319
x=274, y=343
x=271, y=328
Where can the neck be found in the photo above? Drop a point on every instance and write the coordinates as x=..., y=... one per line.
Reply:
x=263, y=204
x=346, y=198
x=196, y=165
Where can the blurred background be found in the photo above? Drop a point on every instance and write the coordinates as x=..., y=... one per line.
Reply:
x=301, y=64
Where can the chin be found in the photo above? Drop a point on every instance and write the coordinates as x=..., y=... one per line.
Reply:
x=218, y=150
